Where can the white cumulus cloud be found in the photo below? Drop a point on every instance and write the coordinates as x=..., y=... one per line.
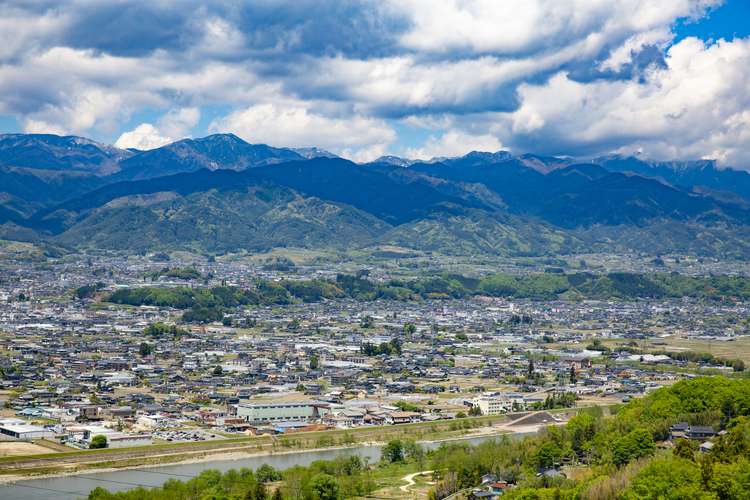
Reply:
x=177, y=123
x=144, y=137
x=40, y=127
x=297, y=127
x=454, y=143
x=172, y=127
x=519, y=26
x=696, y=107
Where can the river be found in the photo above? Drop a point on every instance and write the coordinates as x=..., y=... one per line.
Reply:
x=75, y=487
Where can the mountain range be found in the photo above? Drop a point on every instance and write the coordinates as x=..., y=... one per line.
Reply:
x=222, y=194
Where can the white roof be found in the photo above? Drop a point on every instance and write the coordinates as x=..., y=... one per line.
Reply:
x=26, y=428
x=92, y=429
x=12, y=421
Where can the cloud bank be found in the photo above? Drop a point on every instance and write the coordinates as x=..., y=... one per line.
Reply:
x=564, y=77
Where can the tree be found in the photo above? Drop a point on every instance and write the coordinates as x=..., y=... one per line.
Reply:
x=227, y=320
x=324, y=487
x=218, y=371
x=294, y=324
x=145, y=349
x=98, y=442
x=393, y=452
x=267, y=473
x=577, y=441
x=259, y=491
x=572, y=374
x=638, y=443
x=531, y=368
x=313, y=362
x=410, y=329
x=546, y=454
x=668, y=480
x=395, y=345
x=277, y=495
x=729, y=410
x=460, y=415
x=682, y=449
x=367, y=322
x=414, y=451
x=475, y=411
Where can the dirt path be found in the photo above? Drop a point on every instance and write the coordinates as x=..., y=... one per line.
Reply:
x=410, y=479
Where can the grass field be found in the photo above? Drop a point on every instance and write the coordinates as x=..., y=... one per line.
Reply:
x=739, y=348
x=18, y=449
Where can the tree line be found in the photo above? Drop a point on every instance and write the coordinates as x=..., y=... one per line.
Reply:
x=547, y=286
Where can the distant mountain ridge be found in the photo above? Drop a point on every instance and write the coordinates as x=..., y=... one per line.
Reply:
x=682, y=173
x=226, y=210
x=52, y=152
x=63, y=153
x=221, y=151
x=223, y=193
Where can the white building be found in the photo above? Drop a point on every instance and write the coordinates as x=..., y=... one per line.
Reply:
x=492, y=403
x=153, y=421
x=16, y=428
x=58, y=414
x=127, y=441
x=82, y=436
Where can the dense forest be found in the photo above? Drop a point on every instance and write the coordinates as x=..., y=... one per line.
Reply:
x=620, y=456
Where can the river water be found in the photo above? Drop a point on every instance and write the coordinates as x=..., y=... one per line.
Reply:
x=75, y=487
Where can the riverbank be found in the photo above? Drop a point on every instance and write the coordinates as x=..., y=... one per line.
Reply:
x=98, y=464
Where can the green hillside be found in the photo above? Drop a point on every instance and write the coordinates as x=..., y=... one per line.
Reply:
x=460, y=231
x=216, y=221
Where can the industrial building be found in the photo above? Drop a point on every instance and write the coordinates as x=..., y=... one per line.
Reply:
x=256, y=413
x=15, y=428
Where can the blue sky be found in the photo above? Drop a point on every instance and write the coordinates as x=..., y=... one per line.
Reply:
x=727, y=21
x=666, y=79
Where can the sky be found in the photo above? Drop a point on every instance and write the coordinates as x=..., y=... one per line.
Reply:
x=664, y=79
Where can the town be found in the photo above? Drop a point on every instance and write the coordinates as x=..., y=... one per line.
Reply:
x=87, y=373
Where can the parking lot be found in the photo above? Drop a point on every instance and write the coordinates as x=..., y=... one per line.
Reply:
x=185, y=435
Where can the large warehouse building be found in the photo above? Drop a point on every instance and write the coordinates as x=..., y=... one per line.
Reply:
x=257, y=413
x=15, y=428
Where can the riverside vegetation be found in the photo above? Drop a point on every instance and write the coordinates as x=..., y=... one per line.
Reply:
x=620, y=456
